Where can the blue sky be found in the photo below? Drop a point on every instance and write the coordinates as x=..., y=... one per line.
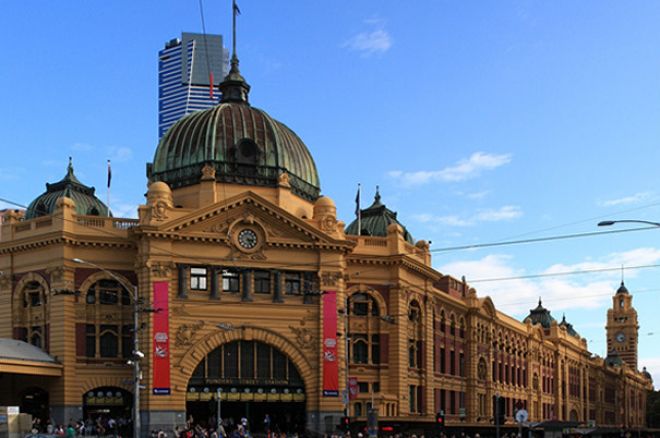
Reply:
x=480, y=121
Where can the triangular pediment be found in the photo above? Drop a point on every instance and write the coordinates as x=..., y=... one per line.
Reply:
x=221, y=220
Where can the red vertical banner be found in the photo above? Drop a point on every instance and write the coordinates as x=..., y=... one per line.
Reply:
x=161, y=344
x=330, y=357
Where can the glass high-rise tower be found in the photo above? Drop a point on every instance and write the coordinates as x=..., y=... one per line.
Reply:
x=184, y=79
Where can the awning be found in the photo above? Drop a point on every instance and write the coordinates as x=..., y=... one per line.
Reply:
x=18, y=357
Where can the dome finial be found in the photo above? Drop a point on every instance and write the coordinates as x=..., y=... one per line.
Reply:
x=540, y=305
x=233, y=87
x=377, y=196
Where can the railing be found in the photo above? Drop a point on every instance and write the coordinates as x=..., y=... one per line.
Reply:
x=109, y=222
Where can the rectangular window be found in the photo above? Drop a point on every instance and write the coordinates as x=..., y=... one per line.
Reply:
x=443, y=399
x=363, y=387
x=198, y=278
x=412, y=398
x=90, y=340
x=230, y=281
x=461, y=364
x=443, y=367
x=35, y=299
x=375, y=349
x=109, y=341
x=452, y=402
x=261, y=282
x=292, y=283
x=127, y=341
x=452, y=363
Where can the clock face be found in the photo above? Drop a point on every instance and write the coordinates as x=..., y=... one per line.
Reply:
x=620, y=337
x=247, y=239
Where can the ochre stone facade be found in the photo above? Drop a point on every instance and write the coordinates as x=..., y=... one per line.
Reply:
x=249, y=253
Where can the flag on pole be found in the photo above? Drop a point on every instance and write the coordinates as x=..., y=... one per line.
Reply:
x=237, y=11
x=211, y=84
x=109, y=174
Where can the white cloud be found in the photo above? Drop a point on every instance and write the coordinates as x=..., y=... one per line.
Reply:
x=558, y=292
x=505, y=213
x=377, y=40
x=478, y=195
x=466, y=168
x=626, y=200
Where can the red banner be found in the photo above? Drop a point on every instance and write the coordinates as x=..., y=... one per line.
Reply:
x=330, y=357
x=161, y=345
x=353, y=388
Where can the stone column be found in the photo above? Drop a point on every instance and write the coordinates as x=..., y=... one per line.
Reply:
x=247, y=285
x=277, y=287
x=213, y=270
x=182, y=278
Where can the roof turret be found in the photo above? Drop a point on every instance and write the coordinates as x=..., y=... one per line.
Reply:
x=70, y=187
x=540, y=315
x=375, y=219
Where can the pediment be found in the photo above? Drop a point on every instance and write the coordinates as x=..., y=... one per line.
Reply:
x=222, y=220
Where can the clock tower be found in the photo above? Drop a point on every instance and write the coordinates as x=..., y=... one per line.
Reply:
x=622, y=328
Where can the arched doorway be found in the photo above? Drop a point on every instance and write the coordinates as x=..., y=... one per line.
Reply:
x=34, y=401
x=106, y=402
x=252, y=379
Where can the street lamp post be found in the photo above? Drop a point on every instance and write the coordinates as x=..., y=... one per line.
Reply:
x=137, y=354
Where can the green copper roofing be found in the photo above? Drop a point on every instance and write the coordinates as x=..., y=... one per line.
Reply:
x=613, y=359
x=70, y=187
x=374, y=221
x=243, y=143
x=569, y=327
x=540, y=315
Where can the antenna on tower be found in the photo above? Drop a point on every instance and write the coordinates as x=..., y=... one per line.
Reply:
x=235, y=11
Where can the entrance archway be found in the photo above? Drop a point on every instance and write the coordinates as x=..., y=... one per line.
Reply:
x=108, y=402
x=251, y=379
x=34, y=401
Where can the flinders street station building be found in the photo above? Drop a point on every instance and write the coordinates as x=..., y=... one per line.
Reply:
x=239, y=286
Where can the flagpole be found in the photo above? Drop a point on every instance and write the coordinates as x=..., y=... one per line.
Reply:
x=108, y=188
x=359, y=212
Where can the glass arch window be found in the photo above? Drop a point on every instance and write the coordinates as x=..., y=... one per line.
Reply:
x=362, y=304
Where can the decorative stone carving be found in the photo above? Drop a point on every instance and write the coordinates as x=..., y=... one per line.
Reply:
x=283, y=180
x=329, y=224
x=162, y=269
x=180, y=310
x=330, y=278
x=186, y=333
x=159, y=211
x=208, y=173
x=305, y=338
x=5, y=281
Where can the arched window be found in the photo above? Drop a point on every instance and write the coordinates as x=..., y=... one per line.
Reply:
x=360, y=351
x=109, y=341
x=31, y=306
x=93, y=211
x=414, y=312
x=362, y=304
x=106, y=332
x=364, y=311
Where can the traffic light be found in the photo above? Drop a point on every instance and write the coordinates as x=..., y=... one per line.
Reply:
x=440, y=420
x=345, y=424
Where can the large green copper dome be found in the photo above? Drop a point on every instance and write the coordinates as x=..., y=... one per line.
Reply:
x=540, y=315
x=243, y=143
x=70, y=187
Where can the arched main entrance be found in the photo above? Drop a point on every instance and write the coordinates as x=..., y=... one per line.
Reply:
x=108, y=402
x=252, y=379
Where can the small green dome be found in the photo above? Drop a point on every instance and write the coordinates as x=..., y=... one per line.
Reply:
x=374, y=221
x=613, y=359
x=569, y=327
x=70, y=187
x=243, y=143
x=540, y=315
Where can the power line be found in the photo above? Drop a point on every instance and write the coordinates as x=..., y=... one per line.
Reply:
x=559, y=274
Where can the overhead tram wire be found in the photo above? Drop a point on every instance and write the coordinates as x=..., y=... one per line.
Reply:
x=299, y=265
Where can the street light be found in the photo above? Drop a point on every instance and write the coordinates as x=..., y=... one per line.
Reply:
x=137, y=354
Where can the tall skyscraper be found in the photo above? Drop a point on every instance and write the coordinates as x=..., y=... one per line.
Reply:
x=184, y=78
